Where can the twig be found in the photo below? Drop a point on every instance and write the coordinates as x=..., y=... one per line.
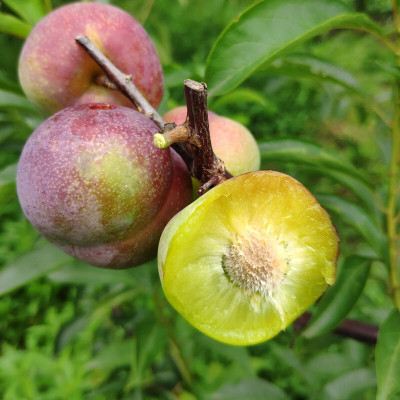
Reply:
x=125, y=85
x=207, y=168
x=206, y=165
x=349, y=328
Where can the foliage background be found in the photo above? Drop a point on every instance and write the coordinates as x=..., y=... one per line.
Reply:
x=71, y=331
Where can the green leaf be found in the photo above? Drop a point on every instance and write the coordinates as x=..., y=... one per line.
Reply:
x=30, y=11
x=69, y=331
x=270, y=29
x=114, y=355
x=358, y=219
x=238, y=355
x=241, y=95
x=7, y=183
x=8, y=84
x=289, y=358
x=5, y=133
x=174, y=76
x=9, y=99
x=254, y=389
x=387, y=354
x=360, y=189
x=306, y=66
x=338, y=301
x=288, y=150
x=151, y=339
x=349, y=385
x=14, y=26
x=31, y=266
x=80, y=273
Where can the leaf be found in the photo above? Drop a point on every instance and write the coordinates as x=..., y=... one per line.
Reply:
x=349, y=385
x=306, y=66
x=242, y=95
x=5, y=133
x=7, y=183
x=254, y=389
x=80, y=273
x=69, y=331
x=289, y=358
x=387, y=354
x=8, y=84
x=14, y=26
x=297, y=151
x=270, y=29
x=114, y=355
x=338, y=301
x=236, y=354
x=30, y=11
x=358, y=219
x=360, y=189
x=8, y=99
x=31, y=266
x=174, y=76
x=151, y=339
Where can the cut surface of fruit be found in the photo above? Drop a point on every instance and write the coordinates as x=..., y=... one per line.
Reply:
x=248, y=257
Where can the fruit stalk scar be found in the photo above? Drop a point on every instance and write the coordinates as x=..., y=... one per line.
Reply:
x=178, y=134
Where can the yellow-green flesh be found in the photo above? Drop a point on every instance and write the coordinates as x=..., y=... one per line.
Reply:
x=284, y=215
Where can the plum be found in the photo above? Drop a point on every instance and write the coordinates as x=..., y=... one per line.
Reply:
x=92, y=182
x=56, y=72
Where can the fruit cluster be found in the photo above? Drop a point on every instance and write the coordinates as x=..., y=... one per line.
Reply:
x=240, y=263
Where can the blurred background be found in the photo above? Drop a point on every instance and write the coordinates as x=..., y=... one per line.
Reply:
x=72, y=331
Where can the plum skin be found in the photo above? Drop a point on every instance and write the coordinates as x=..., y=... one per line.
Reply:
x=56, y=72
x=232, y=142
x=92, y=182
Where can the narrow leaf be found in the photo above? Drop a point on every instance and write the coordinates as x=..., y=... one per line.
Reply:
x=114, y=355
x=358, y=219
x=270, y=29
x=8, y=84
x=30, y=11
x=241, y=95
x=360, y=189
x=31, y=266
x=387, y=354
x=338, y=301
x=14, y=26
x=7, y=183
x=288, y=150
x=151, y=339
x=8, y=99
x=69, y=331
x=349, y=385
x=255, y=389
x=306, y=66
x=77, y=272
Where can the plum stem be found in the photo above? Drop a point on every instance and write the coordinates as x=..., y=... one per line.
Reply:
x=125, y=85
x=208, y=169
x=191, y=140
